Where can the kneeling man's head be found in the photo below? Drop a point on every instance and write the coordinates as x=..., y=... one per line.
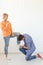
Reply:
x=20, y=37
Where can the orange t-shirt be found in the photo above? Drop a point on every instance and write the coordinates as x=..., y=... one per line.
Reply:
x=6, y=28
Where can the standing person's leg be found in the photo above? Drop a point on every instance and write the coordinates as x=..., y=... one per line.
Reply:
x=23, y=50
x=15, y=34
x=6, y=39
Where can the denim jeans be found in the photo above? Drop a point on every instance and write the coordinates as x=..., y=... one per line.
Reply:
x=7, y=39
x=30, y=57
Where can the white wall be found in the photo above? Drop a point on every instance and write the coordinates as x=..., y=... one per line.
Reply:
x=26, y=16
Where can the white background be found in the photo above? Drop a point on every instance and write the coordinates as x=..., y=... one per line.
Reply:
x=26, y=16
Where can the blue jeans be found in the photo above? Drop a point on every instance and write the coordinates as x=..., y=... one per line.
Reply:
x=7, y=39
x=29, y=57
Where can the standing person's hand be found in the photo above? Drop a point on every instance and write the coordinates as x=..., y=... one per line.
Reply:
x=12, y=34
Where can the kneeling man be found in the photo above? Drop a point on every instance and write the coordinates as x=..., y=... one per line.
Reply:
x=28, y=47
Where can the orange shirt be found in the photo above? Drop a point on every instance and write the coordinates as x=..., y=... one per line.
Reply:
x=6, y=28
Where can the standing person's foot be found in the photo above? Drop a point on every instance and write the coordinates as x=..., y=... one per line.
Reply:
x=6, y=55
x=39, y=56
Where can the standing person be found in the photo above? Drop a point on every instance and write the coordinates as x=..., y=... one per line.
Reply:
x=28, y=47
x=7, y=32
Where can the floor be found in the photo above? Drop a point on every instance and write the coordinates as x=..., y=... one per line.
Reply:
x=18, y=59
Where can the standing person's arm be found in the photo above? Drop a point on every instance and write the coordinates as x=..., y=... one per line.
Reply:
x=10, y=27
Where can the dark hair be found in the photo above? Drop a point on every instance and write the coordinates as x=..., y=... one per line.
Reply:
x=5, y=14
x=20, y=37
